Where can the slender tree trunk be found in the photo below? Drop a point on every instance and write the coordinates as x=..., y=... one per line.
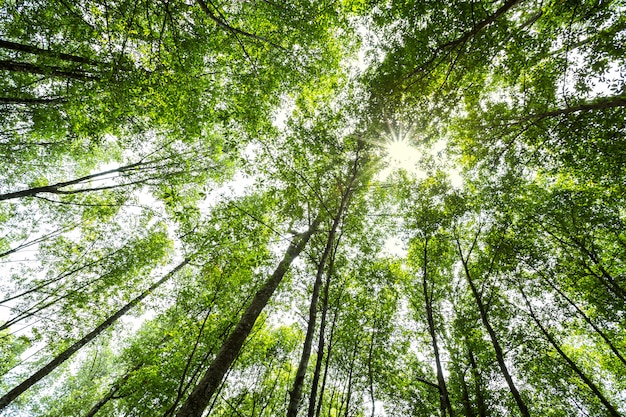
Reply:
x=603, y=276
x=28, y=68
x=224, y=25
x=56, y=188
x=444, y=397
x=587, y=320
x=111, y=394
x=601, y=103
x=349, y=394
x=610, y=408
x=320, y=401
x=20, y=47
x=493, y=337
x=295, y=395
x=31, y=100
x=465, y=36
x=478, y=384
x=321, y=341
x=66, y=354
x=610, y=280
x=199, y=398
x=370, y=371
x=104, y=400
x=467, y=403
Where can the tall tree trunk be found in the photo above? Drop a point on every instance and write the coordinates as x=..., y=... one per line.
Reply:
x=601, y=103
x=199, y=398
x=492, y=336
x=66, y=354
x=587, y=319
x=28, y=68
x=295, y=395
x=478, y=384
x=349, y=394
x=56, y=188
x=20, y=47
x=31, y=100
x=444, y=397
x=467, y=403
x=104, y=400
x=611, y=409
x=111, y=394
x=461, y=40
x=321, y=340
x=370, y=371
x=320, y=401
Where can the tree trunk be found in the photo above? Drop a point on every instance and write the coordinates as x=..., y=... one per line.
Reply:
x=31, y=100
x=467, y=403
x=612, y=411
x=444, y=397
x=66, y=354
x=465, y=36
x=56, y=188
x=493, y=337
x=295, y=395
x=28, y=68
x=111, y=394
x=20, y=47
x=321, y=341
x=199, y=398
x=587, y=319
x=349, y=394
x=601, y=103
x=104, y=400
x=318, y=410
x=222, y=23
x=478, y=384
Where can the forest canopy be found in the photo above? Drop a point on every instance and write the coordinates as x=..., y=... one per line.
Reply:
x=330, y=208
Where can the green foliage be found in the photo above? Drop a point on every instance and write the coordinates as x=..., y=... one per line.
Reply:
x=136, y=135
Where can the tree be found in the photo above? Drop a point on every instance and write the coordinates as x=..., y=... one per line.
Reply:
x=243, y=147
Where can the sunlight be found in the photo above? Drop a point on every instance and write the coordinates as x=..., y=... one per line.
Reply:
x=400, y=152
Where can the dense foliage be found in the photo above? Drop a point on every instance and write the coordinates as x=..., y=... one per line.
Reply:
x=201, y=211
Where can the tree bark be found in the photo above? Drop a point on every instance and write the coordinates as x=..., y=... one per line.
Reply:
x=349, y=394
x=28, y=68
x=493, y=337
x=587, y=319
x=20, y=47
x=478, y=384
x=111, y=394
x=321, y=340
x=295, y=394
x=231, y=29
x=318, y=410
x=465, y=36
x=56, y=188
x=31, y=101
x=610, y=408
x=66, y=354
x=444, y=398
x=199, y=398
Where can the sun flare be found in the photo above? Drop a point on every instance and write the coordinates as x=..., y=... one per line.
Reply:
x=399, y=150
x=400, y=154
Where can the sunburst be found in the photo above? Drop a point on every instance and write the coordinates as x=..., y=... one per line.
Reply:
x=400, y=153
